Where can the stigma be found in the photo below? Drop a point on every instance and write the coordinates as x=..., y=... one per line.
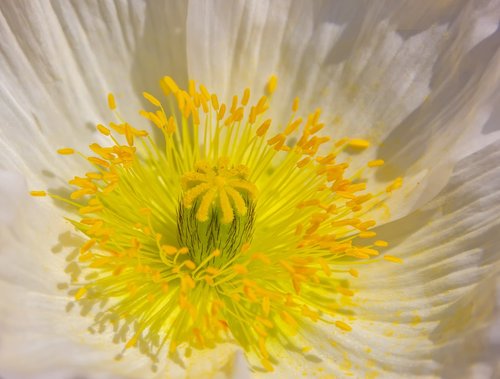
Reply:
x=232, y=227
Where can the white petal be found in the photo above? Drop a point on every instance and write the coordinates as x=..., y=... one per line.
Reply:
x=447, y=280
x=431, y=316
x=60, y=60
x=41, y=335
x=13, y=192
x=409, y=78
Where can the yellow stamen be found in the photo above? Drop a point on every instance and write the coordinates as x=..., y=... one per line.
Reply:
x=376, y=163
x=392, y=258
x=66, y=151
x=111, y=102
x=38, y=193
x=272, y=84
x=358, y=143
x=226, y=228
x=342, y=325
x=80, y=293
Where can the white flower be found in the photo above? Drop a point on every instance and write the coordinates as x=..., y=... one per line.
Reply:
x=419, y=80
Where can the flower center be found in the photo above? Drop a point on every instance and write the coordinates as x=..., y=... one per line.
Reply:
x=217, y=211
x=224, y=231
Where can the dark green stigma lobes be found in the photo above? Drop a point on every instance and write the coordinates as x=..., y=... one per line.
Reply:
x=202, y=238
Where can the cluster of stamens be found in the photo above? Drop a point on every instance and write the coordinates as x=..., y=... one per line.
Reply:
x=181, y=250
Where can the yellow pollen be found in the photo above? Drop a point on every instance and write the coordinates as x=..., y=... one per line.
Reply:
x=66, y=151
x=376, y=163
x=391, y=258
x=272, y=84
x=80, y=293
x=153, y=100
x=358, y=143
x=342, y=325
x=38, y=193
x=111, y=102
x=395, y=185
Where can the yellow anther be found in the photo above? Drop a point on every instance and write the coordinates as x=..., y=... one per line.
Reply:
x=367, y=234
x=205, y=92
x=345, y=222
x=285, y=316
x=358, y=143
x=314, y=316
x=171, y=126
x=293, y=126
x=376, y=163
x=356, y=187
x=38, y=193
x=267, y=365
x=353, y=272
x=169, y=250
x=272, y=84
x=262, y=332
x=153, y=100
x=111, y=102
x=279, y=138
x=215, y=102
x=192, y=88
x=99, y=162
x=324, y=266
x=262, y=130
x=87, y=245
x=381, y=243
x=295, y=105
x=245, y=97
x=395, y=185
x=365, y=225
x=261, y=257
x=234, y=104
x=262, y=347
x=86, y=257
x=342, y=325
x=262, y=105
x=345, y=291
x=132, y=342
x=103, y=130
x=170, y=83
x=266, y=305
x=240, y=269
x=66, y=151
x=392, y=258
x=303, y=162
x=222, y=112
x=80, y=293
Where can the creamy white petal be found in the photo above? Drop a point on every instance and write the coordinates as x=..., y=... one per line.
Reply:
x=13, y=192
x=60, y=60
x=409, y=78
x=448, y=278
x=41, y=334
x=431, y=316
x=35, y=318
